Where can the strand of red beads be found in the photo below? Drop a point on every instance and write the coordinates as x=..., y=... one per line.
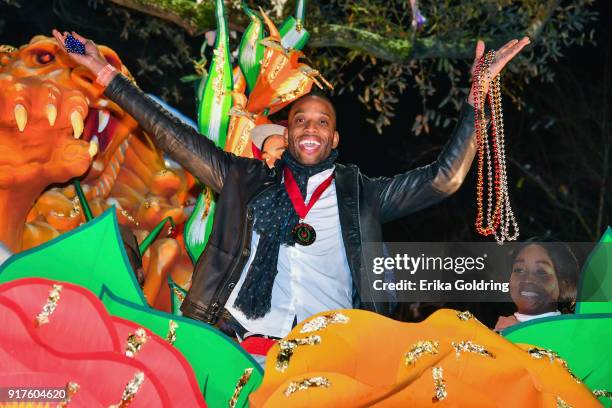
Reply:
x=499, y=218
x=493, y=217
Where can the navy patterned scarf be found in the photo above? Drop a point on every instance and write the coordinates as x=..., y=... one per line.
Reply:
x=275, y=217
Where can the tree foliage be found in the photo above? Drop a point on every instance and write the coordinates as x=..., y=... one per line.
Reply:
x=441, y=51
x=373, y=47
x=560, y=164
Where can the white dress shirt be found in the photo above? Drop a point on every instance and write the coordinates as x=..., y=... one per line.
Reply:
x=525, y=318
x=310, y=279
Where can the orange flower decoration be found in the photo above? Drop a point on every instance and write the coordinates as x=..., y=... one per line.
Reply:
x=282, y=78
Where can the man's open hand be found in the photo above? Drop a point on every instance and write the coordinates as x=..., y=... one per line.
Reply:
x=92, y=59
x=502, y=57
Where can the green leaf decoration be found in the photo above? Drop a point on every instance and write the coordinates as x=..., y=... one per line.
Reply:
x=215, y=101
x=177, y=295
x=293, y=33
x=199, y=224
x=149, y=239
x=91, y=256
x=595, y=289
x=583, y=341
x=216, y=98
x=251, y=51
x=217, y=361
x=83, y=201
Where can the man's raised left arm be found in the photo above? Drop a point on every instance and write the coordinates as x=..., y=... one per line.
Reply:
x=424, y=186
x=427, y=185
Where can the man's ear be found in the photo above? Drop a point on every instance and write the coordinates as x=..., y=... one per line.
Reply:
x=336, y=139
x=286, y=136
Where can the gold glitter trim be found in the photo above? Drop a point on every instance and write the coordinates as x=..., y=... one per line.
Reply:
x=170, y=230
x=299, y=89
x=7, y=48
x=244, y=379
x=71, y=389
x=239, y=111
x=469, y=347
x=232, y=123
x=539, y=353
x=266, y=59
x=130, y=390
x=276, y=69
x=171, y=336
x=178, y=294
x=129, y=217
x=288, y=346
x=295, y=386
x=49, y=307
x=253, y=39
x=439, y=385
x=219, y=61
x=244, y=139
x=465, y=316
x=74, y=212
x=151, y=202
x=602, y=394
x=135, y=341
x=419, y=348
x=208, y=198
x=321, y=322
x=562, y=404
x=315, y=76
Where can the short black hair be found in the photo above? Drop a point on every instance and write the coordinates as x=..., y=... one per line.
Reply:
x=317, y=94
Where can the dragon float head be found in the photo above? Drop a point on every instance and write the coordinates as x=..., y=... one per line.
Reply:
x=46, y=76
x=55, y=125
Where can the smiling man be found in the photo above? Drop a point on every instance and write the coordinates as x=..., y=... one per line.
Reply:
x=312, y=133
x=287, y=241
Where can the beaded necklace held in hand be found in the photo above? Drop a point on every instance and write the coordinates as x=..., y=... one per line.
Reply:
x=499, y=219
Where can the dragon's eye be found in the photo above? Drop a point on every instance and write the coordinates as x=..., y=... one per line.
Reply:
x=44, y=57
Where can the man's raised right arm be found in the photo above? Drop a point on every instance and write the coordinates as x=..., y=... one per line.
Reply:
x=191, y=150
x=184, y=144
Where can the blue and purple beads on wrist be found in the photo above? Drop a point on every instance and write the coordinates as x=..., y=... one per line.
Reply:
x=74, y=46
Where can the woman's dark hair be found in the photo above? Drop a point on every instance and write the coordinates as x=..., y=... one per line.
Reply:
x=566, y=267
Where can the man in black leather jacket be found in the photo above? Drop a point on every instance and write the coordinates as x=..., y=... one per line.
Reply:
x=363, y=203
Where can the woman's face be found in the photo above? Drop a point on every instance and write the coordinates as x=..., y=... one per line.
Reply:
x=533, y=284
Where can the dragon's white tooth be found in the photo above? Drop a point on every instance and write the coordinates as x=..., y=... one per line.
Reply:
x=21, y=116
x=77, y=124
x=103, y=118
x=93, y=146
x=51, y=111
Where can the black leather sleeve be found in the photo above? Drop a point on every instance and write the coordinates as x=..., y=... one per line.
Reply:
x=427, y=185
x=190, y=149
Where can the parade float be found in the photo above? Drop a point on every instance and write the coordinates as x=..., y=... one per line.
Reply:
x=77, y=171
